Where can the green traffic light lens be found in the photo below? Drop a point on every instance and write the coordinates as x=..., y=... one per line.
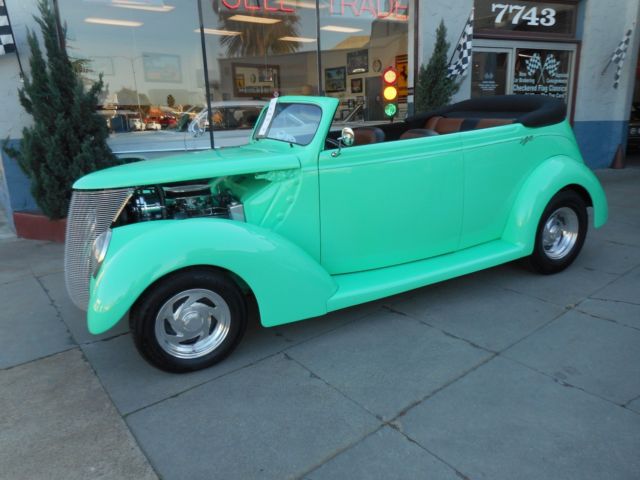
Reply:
x=390, y=110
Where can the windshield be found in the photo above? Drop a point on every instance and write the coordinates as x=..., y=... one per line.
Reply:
x=291, y=122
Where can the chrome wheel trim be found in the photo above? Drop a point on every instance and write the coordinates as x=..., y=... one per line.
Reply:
x=560, y=233
x=192, y=323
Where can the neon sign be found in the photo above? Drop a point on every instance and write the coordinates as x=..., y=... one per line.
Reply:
x=381, y=9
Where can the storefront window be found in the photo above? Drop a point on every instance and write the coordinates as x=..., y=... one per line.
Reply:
x=359, y=39
x=542, y=72
x=151, y=62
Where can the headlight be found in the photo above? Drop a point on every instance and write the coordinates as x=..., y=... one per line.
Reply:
x=99, y=250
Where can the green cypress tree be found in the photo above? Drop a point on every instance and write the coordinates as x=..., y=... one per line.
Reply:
x=68, y=136
x=434, y=88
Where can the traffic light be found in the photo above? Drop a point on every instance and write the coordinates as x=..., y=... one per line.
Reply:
x=390, y=92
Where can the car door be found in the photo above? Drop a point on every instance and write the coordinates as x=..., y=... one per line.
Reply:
x=390, y=203
x=496, y=162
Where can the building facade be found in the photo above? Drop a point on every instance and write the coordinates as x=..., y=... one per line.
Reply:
x=164, y=61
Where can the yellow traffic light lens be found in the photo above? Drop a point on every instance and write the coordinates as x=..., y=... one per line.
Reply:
x=390, y=76
x=390, y=93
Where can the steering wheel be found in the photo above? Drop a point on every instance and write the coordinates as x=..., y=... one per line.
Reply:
x=331, y=143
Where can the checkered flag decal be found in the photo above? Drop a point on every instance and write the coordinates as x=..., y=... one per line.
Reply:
x=619, y=56
x=6, y=36
x=462, y=55
x=534, y=64
x=551, y=65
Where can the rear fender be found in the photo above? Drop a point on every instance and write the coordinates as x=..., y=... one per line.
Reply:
x=553, y=175
x=288, y=284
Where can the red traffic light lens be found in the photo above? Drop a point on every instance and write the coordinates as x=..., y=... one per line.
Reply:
x=390, y=76
x=390, y=93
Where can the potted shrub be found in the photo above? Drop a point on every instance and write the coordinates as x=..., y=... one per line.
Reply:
x=68, y=137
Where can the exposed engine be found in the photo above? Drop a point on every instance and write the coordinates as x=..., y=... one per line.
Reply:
x=180, y=201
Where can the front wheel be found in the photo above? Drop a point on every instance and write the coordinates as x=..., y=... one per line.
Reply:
x=190, y=320
x=561, y=233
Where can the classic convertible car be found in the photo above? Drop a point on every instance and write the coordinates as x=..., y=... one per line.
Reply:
x=309, y=220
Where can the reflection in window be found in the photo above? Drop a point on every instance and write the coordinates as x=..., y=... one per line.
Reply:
x=359, y=40
x=149, y=57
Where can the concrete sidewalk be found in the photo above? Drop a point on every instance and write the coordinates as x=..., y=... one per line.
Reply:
x=502, y=374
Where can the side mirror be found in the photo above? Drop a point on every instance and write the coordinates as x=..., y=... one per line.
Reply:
x=347, y=139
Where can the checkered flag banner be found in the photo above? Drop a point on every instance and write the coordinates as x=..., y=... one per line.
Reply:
x=619, y=56
x=462, y=55
x=6, y=36
x=551, y=65
x=534, y=64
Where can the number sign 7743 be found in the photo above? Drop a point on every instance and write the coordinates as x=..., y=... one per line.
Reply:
x=546, y=17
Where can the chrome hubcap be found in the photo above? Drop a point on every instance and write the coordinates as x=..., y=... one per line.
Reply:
x=192, y=323
x=560, y=233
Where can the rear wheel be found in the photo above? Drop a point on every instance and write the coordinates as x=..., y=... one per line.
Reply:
x=190, y=320
x=561, y=233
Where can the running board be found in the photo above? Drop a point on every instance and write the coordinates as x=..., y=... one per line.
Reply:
x=361, y=287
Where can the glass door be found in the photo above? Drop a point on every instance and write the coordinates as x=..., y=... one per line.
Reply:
x=524, y=68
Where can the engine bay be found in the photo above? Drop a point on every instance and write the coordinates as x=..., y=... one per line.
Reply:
x=181, y=201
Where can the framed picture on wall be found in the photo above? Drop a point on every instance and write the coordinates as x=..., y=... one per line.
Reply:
x=356, y=85
x=335, y=79
x=255, y=80
x=358, y=61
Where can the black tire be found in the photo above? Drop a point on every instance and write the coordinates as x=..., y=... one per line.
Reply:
x=547, y=260
x=154, y=334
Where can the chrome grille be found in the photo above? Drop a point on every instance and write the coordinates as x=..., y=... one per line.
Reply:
x=91, y=213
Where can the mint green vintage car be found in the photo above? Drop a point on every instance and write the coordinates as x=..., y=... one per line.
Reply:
x=308, y=219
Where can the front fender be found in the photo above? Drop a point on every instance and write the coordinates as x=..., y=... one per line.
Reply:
x=544, y=182
x=287, y=283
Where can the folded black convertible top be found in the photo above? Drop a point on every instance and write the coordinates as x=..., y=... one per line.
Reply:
x=530, y=110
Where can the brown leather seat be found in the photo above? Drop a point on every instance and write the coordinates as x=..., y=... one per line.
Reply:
x=418, y=133
x=493, y=122
x=368, y=135
x=444, y=125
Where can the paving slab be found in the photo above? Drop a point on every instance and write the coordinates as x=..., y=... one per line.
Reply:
x=74, y=318
x=29, y=325
x=57, y=422
x=566, y=288
x=609, y=257
x=273, y=420
x=621, y=312
x=599, y=356
x=304, y=330
x=625, y=289
x=387, y=361
x=133, y=384
x=634, y=405
x=505, y=421
x=620, y=232
x=22, y=258
x=484, y=314
x=385, y=454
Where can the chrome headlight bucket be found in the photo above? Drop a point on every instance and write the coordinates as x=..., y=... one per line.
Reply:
x=99, y=250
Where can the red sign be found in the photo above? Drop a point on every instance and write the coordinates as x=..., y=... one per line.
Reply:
x=396, y=9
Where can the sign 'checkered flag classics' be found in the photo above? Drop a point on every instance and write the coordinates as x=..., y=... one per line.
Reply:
x=462, y=55
x=7, y=44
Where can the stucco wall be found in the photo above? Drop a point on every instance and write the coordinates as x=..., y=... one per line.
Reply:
x=14, y=186
x=455, y=14
x=602, y=112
